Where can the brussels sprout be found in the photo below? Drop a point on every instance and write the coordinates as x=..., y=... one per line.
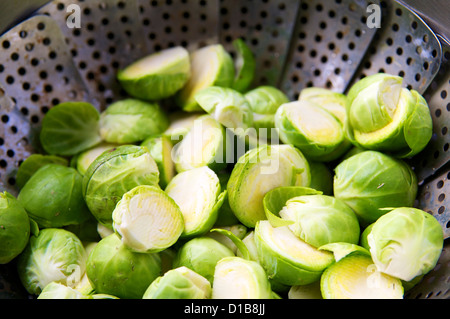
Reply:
x=311, y=291
x=383, y=116
x=245, y=66
x=201, y=254
x=85, y=159
x=32, y=163
x=114, y=269
x=321, y=177
x=70, y=128
x=333, y=102
x=356, y=277
x=260, y=170
x=198, y=194
x=180, y=123
x=55, y=290
x=321, y=219
x=158, y=75
x=160, y=148
x=54, y=255
x=179, y=283
x=288, y=259
x=406, y=243
x=210, y=66
x=147, y=220
x=237, y=278
x=114, y=173
x=203, y=145
x=53, y=198
x=363, y=239
x=264, y=102
x=14, y=228
x=340, y=250
x=371, y=181
x=132, y=121
x=312, y=129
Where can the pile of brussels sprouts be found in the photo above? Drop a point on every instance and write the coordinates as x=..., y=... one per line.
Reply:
x=237, y=192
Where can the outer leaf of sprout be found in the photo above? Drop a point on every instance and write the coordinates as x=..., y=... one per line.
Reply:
x=245, y=66
x=160, y=148
x=340, y=250
x=237, y=241
x=32, y=163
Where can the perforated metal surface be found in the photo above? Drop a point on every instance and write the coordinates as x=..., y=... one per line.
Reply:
x=297, y=44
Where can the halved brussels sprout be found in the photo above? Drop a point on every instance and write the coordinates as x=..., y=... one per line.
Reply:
x=264, y=102
x=53, y=255
x=201, y=254
x=180, y=123
x=312, y=129
x=321, y=177
x=147, y=220
x=160, y=148
x=333, y=102
x=70, y=128
x=260, y=170
x=198, y=194
x=356, y=277
x=114, y=173
x=32, y=163
x=383, y=116
x=288, y=259
x=406, y=243
x=211, y=65
x=53, y=197
x=370, y=182
x=85, y=159
x=321, y=219
x=158, y=75
x=114, y=269
x=14, y=228
x=179, y=283
x=55, y=290
x=245, y=66
x=132, y=121
x=203, y=145
x=237, y=278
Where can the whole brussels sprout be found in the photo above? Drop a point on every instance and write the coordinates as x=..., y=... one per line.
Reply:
x=157, y=75
x=114, y=173
x=132, y=121
x=371, y=183
x=406, y=242
x=201, y=254
x=179, y=283
x=53, y=197
x=383, y=116
x=55, y=255
x=115, y=270
x=14, y=228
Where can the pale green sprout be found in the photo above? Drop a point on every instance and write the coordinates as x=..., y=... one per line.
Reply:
x=53, y=255
x=406, y=243
x=70, y=128
x=180, y=123
x=132, y=121
x=312, y=129
x=245, y=66
x=84, y=285
x=55, y=290
x=147, y=219
x=371, y=182
x=310, y=291
x=238, y=278
x=198, y=194
x=384, y=116
x=14, y=227
x=342, y=249
x=333, y=102
x=211, y=65
x=260, y=170
x=32, y=163
x=179, y=283
x=286, y=258
x=85, y=158
x=115, y=270
x=321, y=220
x=160, y=148
x=201, y=254
x=356, y=277
x=203, y=145
x=114, y=173
x=158, y=75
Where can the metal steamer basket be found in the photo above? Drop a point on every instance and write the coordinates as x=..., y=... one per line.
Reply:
x=46, y=59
